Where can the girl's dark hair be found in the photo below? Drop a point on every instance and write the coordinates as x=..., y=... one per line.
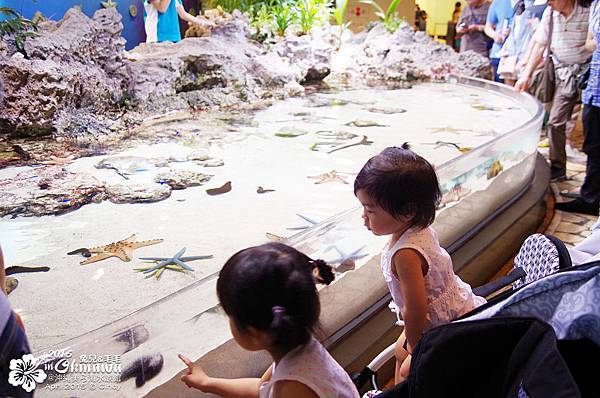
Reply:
x=402, y=183
x=271, y=287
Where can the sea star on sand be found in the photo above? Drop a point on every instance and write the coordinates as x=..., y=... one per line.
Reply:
x=58, y=161
x=175, y=263
x=274, y=238
x=310, y=221
x=330, y=176
x=447, y=129
x=122, y=249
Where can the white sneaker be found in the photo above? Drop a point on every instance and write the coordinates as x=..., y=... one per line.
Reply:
x=371, y=393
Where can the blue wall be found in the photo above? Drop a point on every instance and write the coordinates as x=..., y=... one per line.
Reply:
x=133, y=28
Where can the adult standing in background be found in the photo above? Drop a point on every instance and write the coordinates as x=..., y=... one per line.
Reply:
x=169, y=12
x=471, y=26
x=589, y=200
x=526, y=17
x=496, y=27
x=456, y=12
x=570, y=19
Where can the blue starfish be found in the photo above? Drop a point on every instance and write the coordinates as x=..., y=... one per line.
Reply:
x=166, y=262
x=355, y=255
x=303, y=227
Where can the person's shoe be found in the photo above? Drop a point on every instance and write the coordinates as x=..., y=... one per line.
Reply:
x=578, y=206
x=568, y=194
x=371, y=393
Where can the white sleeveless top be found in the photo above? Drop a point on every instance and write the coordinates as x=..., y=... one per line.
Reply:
x=448, y=297
x=314, y=367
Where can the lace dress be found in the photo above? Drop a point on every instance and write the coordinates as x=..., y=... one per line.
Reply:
x=448, y=297
x=314, y=367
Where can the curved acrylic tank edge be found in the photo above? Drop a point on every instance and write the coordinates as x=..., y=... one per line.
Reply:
x=318, y=229
x=132, y=318
x=531, y=104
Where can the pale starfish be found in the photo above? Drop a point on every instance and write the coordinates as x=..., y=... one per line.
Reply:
x=175, y=263
x=447, y=129
x=274, y=238
x=310, y=221
x=330, y=176
x=122, y=249
x=344, y=257
x=57, y=161
x=345, y=261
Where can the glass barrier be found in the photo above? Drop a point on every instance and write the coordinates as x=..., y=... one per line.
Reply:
x=142, y=347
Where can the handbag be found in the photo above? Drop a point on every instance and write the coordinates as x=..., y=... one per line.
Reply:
x=508, y=65
x=543, y=81
x=583, y=77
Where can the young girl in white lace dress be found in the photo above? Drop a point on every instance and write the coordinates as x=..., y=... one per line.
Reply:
x=269, y=294
x=399, y=192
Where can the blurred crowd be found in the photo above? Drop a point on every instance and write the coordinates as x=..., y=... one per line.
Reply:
x=549, y=49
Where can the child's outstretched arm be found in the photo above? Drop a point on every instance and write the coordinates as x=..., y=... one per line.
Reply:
x=410, y=266
x=197, y=378
x=186, y=16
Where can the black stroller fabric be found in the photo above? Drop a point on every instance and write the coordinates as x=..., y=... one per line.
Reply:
x=499, y=357
x=543, y=340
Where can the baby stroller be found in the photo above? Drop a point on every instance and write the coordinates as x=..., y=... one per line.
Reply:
x=507, y=347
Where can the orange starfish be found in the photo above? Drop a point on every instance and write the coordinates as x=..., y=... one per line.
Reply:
x=122, y=249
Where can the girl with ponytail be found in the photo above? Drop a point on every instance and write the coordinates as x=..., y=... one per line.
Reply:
x=269, y=294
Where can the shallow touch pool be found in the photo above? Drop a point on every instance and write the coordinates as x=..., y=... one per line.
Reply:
x=72, y=299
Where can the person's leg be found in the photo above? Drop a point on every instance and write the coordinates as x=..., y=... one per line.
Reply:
x=401, y=354
x=589, y=200
x=590, y=190
x=560, y=114
x=405, y=368
x=495, y=62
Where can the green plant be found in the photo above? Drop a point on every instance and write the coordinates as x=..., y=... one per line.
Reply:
x=388, y=17
x=339, y=13
x=262, y=21
x=14, y=24
x=311, y=13
x=284, y=17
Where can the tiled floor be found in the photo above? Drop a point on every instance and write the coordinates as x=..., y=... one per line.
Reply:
x=571, y=228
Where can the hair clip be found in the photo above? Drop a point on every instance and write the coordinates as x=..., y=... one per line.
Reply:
x=278, y=310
